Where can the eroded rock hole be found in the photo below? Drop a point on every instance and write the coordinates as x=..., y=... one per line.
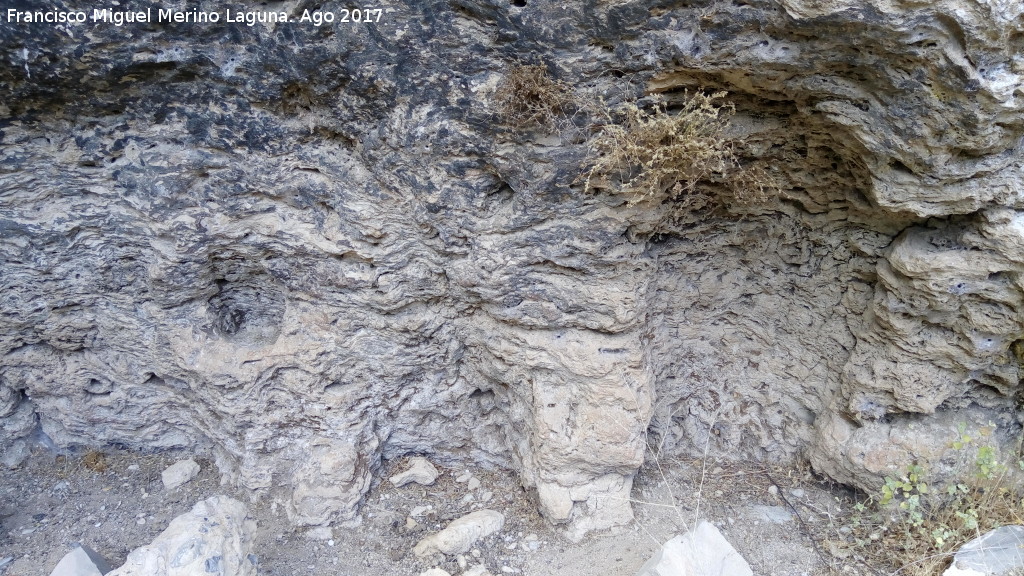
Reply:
x=900, y=167
x=99, y=387
x=247, y=308
x=334, y=389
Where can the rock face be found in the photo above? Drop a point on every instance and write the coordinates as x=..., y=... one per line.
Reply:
x=305, y=249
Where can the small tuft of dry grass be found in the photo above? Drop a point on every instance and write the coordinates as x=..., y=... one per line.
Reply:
x=95, y=461
x=685, y=155
x=527, y=96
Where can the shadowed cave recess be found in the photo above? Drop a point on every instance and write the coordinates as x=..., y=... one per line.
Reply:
x=306, y=250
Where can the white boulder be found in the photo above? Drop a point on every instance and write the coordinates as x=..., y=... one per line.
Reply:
x=999, y=552
x=459, y=536
x=215, y=537
x=82, y=561
x=179, y=473
x=702, y=551
x=421, y=471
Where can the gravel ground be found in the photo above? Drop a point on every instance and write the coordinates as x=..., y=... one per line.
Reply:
x=115, y=501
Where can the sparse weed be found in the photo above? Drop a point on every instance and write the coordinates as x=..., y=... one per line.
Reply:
x=914, y=530
x=649, y=152
x=683, y=154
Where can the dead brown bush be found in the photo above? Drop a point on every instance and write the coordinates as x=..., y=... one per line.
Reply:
x=650, y=154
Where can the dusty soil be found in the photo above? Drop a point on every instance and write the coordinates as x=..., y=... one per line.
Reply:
x=116, y=501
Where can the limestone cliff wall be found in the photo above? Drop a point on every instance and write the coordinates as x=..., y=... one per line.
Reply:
x=306, y=249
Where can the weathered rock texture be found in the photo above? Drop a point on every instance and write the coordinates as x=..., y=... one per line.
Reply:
x=215, y=537
x=306, y=249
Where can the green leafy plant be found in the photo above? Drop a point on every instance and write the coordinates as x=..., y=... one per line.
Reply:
x=988, y=467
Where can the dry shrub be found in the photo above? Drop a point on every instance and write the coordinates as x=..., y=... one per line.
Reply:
x=651, y=154
x=528, y=96
x=926, y=546
x=752, y=186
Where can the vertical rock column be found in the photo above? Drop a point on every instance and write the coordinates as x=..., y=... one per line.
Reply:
x=579, y=402
x=558, y=339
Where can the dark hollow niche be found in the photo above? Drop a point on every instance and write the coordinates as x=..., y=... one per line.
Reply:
x=247, y=308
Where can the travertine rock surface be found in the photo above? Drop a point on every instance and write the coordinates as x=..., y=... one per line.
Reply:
x=306, y=249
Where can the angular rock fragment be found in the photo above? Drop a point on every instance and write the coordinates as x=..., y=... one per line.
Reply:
x=436, y=572
x=421, y=471
x=702, y=551
x=460, y=535
x=179, y=473
x=82, y=561
x=999, y=552
x=215, y=537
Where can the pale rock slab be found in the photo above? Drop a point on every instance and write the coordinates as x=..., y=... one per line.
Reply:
x=328, y=479
x=179, y=473
x=421, y=471
x=702, y=551
x=215, y=537
x=436, y=572
x=324, y=533
x=459, y=536
x=999, y=552
x=82, y=561
x=773, y=514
